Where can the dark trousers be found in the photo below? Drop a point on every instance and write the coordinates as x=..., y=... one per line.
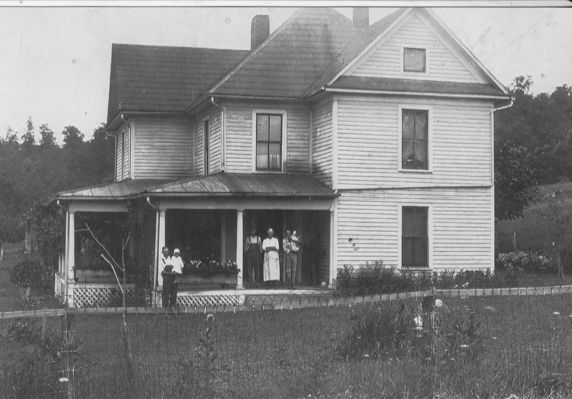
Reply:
x=169, y=294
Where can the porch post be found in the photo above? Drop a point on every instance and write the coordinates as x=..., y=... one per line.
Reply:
x=333, y=245
x=223, y=237
x=160, y=244
x=71, y=258
x=239, y=247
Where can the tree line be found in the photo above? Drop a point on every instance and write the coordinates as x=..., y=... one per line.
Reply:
x=32, y=171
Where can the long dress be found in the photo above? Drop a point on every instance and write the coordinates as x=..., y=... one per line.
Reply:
x=271, y=268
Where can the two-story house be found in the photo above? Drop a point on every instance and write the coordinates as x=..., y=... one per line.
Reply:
x=374, y=142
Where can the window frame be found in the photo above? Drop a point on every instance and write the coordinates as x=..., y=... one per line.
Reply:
x=283, y=147
x=414, y=107
x=414, y=47
x=429, y=236
x=206, y=144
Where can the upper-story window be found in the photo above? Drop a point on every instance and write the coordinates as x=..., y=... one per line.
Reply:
x=206, y=145
x=415, y=139
x=414, y=59
x=415, y=236
x=269, y=142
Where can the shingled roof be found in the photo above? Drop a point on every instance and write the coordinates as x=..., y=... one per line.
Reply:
x=163, y=78
x=292, y=57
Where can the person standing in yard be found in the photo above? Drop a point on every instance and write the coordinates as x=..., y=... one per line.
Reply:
x=252, y=249
x=271, y=267
x=177, y=262
x=167, y=276
x=290, y=248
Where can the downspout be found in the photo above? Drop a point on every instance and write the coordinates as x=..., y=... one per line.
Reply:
x=148, y=200
x=222, y=134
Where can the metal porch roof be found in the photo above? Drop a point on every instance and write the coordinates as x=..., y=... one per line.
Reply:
x=118, y=190
x=259, y=185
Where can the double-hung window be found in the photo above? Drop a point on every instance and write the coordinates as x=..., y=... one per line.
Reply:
x=414, y=139
x=415, y=237
x=268, y=142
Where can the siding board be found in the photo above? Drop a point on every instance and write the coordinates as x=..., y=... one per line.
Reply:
x=163, y=148
x=442, y=61
x=368, y=226
x=322, y=126
x=368, y=143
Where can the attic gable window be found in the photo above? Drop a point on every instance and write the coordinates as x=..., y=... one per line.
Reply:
x=268, y=142
x=414, y=59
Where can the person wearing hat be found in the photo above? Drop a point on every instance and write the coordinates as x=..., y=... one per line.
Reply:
x=271, y=266
x=177, y=271
x=166, y=275
x=291, y=248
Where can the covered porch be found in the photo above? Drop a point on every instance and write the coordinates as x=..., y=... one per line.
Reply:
x=208, y=219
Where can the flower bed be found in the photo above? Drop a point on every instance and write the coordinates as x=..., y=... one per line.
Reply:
x=210, y=273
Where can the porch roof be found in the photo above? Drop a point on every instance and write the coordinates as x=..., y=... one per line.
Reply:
x=110, y=191
x=246, y=185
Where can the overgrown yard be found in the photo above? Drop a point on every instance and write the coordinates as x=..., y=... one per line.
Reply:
x=518, y=345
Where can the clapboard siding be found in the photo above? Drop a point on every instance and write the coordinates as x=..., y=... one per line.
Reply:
x=119, y=156
x=443, y=63
x=239, y=136
x=368, y=143
x=126, y=153
x=322, y=141
x=461, y=234
x=215, y=142
x=163, y=148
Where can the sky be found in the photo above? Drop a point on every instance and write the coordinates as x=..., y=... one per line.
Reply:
x=54, y=62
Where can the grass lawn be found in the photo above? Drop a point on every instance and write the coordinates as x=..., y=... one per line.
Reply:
x=291, y=354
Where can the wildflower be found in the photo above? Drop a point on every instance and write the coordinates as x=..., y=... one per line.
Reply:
x=494, y=337
x=210, y=317
x=556, y=313
x=465, y=285
x=463, y=346
x=438, y=303
x=366, y=355
x=418, y=320
x=490, y=308
x=64, y=379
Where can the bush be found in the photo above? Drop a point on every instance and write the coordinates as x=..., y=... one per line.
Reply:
x=374, y=279
x=530, y=261
x=31, y=274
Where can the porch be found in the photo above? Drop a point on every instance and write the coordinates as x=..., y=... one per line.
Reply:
x=208, y=219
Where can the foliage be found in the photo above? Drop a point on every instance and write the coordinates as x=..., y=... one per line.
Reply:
x=142, y=227
x=532, y=261
x=515, y=184
x=32, y=172
x=374, y=278
x=210, y=266
x=31, y=274
x=47, y=223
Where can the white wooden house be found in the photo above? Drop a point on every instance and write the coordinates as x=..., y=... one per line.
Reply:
x=374, y=141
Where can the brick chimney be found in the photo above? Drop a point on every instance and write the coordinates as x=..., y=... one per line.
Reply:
x=361, y=17
x=259, y=30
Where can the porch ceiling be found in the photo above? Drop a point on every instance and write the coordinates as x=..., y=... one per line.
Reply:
x=247, y=185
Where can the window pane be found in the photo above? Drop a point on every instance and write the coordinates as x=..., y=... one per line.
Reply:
x=407, y=154
x=408, y=126
x=421, y=124
x=275, y=156
x=408, y=221
x=275, y=127
x=420, y=252
x=407, y=255
x=420, y=223
x=262, y=127
x=420, y=154
x=261, y=156
x=414, y=60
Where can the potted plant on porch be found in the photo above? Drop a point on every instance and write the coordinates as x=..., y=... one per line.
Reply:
x=209, y=272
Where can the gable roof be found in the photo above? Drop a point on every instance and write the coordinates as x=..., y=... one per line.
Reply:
x=292, y=57
x=163, y=78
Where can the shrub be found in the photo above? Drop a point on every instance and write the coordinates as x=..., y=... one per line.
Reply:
x=31, y=274
x=376, y=279
x=531, y=261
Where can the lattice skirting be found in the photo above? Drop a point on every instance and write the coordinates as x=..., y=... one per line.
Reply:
x=102, y=297
x=209, y=300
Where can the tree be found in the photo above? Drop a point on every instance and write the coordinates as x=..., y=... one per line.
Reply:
x=47, y=139
x=72, y=136
x=515, y=184
x=28, y=139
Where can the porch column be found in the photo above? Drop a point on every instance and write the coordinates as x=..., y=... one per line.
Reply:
x=239, y=247
x=333, y=246
x=71, y=244
x=223, y=237
x=160, y=244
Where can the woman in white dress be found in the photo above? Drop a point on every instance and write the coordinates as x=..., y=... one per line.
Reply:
x=271, y=267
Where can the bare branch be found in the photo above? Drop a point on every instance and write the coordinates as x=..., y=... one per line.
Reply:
x=103, y=247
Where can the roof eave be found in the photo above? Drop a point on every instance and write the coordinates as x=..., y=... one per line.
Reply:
x=417, y=93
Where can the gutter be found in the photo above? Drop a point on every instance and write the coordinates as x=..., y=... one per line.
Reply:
x=412, y=93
